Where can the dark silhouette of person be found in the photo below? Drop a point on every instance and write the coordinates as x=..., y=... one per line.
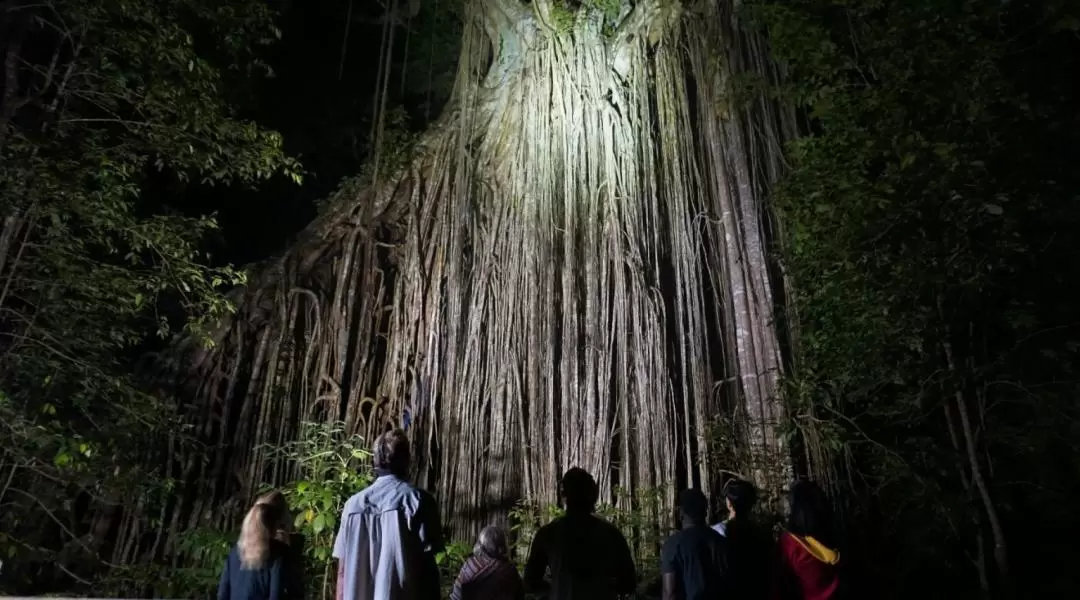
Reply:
x=749, y=544
x=693, y=561
x=586, y=557
x=808, y=564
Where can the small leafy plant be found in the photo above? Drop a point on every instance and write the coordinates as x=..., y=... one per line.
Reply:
x=450, y=561
x=331, y=465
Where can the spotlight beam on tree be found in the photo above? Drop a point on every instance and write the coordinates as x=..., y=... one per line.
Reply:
x=568, y=268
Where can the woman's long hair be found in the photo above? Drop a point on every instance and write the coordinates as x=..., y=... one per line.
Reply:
x=811, y=512
x=256, y=535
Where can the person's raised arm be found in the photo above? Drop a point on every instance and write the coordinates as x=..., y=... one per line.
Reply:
x=537, y=562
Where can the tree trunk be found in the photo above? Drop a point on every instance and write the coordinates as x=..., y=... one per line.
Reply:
x=560, y=276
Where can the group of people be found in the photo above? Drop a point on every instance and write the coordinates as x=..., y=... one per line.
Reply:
x=389, y=536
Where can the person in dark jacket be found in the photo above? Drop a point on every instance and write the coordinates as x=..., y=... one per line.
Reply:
x=258, y=567
x=749, y=544
x=693, y=561
x=587, y=557
x=808, y=564
x=488, y=574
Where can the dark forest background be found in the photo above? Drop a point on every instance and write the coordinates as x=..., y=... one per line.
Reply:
x=929, y=234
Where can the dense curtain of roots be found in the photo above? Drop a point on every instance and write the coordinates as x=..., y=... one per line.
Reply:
x=572, y=271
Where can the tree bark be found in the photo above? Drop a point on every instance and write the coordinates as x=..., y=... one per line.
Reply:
x=547, y=263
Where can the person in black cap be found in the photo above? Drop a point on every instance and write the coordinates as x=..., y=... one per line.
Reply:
x=693, y=561
x=587, y=557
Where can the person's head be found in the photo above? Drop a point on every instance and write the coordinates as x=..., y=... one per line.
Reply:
x=391, y=452
x=740, y=497
x=276, y=500
x=256, y=533
x=811, y=514
x=579, y=491
x=492, y=543
x=693, y=506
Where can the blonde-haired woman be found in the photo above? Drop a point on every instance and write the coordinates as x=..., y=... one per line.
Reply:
x=284, y=533
x=259, y=566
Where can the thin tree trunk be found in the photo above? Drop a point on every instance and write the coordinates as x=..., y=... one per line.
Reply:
x=1001, y=559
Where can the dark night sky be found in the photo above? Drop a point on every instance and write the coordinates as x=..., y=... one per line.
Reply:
x=324, y=120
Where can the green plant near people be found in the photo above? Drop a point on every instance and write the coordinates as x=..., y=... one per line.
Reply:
x=450, y=561
x=329, y=466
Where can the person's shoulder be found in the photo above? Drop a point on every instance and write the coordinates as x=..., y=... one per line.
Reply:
x=712, y=533
x=714, y=537
x=787, y=542
x=357, y=498
x=422, y=497
x=672, y=546
x=357, y=501
x=548, y=527
x=695, y=536
x=605, y=525
x=468, y=566
x=675, y=539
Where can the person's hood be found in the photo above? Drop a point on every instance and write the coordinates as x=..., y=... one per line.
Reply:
x=818, y=550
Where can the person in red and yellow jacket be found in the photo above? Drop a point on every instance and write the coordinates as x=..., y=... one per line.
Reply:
x=808, y=564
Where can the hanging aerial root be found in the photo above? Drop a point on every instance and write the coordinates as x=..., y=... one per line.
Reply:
x=563, y=275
